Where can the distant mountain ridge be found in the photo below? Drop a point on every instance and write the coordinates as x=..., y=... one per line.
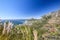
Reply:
x=55, y=18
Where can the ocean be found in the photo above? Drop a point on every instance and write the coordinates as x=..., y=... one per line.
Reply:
x=15, y=22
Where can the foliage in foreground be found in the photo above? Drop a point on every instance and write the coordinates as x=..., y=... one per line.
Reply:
x=40, y=30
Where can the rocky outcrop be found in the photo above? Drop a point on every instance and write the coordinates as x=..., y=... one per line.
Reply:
x=55, y=18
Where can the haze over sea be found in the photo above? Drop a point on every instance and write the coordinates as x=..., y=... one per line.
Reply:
x=16, y=21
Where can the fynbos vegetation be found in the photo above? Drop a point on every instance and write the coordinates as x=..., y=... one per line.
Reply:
x=46, y=28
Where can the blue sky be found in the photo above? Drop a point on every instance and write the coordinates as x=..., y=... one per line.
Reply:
x=25, y=9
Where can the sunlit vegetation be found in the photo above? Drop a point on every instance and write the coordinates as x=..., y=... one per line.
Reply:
x=39, y=30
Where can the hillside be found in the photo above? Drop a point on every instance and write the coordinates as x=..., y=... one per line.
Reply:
x=46, y=28
x=53, y=26
x=55, y=17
